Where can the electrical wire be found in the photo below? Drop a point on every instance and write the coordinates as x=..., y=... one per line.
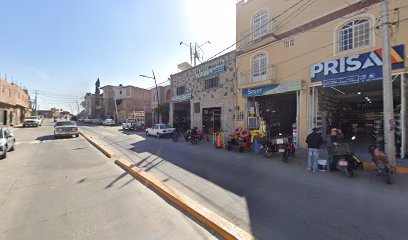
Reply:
x=263, y=25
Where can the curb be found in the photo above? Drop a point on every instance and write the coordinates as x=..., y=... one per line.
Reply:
x=401, y=170
x=220, y=225
x=100, y=148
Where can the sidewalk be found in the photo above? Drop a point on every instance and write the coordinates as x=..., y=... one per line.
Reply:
x=267, y=197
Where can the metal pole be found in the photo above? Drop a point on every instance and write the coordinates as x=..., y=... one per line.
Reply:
x=403, y=116
x=389, y=122
x=158, y=102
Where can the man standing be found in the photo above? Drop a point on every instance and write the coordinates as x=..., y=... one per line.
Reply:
x=314, y=141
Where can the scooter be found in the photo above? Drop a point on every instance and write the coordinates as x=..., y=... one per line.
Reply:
x=268, y=148
x=381, y=162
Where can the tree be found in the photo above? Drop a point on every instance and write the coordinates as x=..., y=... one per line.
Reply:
x=164, y=112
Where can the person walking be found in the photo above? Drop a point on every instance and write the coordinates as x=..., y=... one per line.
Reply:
x=314, y=141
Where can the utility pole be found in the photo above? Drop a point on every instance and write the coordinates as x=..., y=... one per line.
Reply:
x=388, y=104
x=35, y=100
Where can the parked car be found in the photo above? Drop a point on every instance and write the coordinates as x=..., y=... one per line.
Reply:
x=97, y=121
x=160, y=130
x=108, y=122
x=34, y=121
x=65, y=128
x=133, y=124
x=7, y=142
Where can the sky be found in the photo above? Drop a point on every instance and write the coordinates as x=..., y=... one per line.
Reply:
x=61, y=47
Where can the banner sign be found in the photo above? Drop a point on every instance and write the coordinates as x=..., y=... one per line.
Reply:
x=210, y=69
x=272, y=89
x=359, y=68
x=181, y=98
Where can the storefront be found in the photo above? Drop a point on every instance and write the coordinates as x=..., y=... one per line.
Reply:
x=181, y=111
x=211, y=120
x=209, y=104
x=347, y=94
x=274, y=108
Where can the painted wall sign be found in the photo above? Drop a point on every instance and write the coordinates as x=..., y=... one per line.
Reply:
x=210, y=69
x=272, y=89
x=354, y=69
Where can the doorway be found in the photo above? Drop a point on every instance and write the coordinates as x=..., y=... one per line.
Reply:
x=211, y=120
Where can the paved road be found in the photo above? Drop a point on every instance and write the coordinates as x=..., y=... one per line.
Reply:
x=66, y=189
x=269, y=198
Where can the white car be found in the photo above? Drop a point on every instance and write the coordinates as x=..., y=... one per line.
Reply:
x=108, y=122
x=7, y=142
x=160, y=130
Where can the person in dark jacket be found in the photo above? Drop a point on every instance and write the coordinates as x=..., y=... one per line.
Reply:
x=314, y=141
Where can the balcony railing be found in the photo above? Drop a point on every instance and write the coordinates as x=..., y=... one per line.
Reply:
x=249, y=37
x=247, y=77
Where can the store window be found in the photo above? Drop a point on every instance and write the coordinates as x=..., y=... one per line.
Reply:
x=197, y=107
x=181, y=90
x=260, y=24
x=354, y=34
x=289, y=43
x=259, y=67
x=211, y=83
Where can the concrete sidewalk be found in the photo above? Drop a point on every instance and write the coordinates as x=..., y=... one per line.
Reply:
x=266, y=197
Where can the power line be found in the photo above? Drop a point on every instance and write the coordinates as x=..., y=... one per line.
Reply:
x=263, y=25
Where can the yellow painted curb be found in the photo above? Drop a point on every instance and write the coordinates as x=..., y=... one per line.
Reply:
x=220, y=225
x=99, y=147
x=401, y=170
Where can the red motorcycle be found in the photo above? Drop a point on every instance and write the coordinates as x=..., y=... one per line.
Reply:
x=200, y=136
x=286, y=147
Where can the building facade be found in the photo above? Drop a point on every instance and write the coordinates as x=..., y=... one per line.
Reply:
x=15, y=103
x=318, y=64
x=125, y=102
x=94, y=105
x=164, y=93
x=204, y=96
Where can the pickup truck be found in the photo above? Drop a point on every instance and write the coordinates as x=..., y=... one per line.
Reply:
x=128, y=124
x=32, y=121
x=160, y=130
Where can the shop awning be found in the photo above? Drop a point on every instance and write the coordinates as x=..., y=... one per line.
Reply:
x=289, y=86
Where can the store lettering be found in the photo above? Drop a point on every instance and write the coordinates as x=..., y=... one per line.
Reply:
x=254, y=91
x=347, y=64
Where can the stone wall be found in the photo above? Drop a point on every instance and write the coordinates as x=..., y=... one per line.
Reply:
x=222, y=96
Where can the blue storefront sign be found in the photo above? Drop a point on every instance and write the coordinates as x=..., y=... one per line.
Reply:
x=359, y=68
x=272, y=89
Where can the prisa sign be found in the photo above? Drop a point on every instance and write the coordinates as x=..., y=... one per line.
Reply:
x=355, y=68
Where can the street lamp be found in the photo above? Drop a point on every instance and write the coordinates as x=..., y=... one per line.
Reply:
x=157, y=93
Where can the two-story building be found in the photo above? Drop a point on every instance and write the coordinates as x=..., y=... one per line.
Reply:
x=318, y=64
x=15, y=103
x=204, y=96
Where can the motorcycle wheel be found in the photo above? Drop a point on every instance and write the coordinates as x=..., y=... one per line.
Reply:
x=175, y=137
x=186, y=137
x=285, y=156
x=267, y=152
x=194, y=141
x=387, y=175
x=348, y=172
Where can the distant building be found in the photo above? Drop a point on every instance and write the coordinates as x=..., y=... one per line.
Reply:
x=15, y=103
x=164, y=100
x=123, y=102
x=93, y=105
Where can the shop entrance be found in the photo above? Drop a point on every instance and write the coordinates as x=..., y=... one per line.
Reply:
x=277, y=112
x=358, y=111
x=181, y=115
x=211, y=120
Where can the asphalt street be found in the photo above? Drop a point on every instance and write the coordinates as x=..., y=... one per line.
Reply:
x=266, y=197
x=66, y=189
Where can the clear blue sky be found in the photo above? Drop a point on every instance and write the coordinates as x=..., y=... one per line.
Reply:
x=60, y=47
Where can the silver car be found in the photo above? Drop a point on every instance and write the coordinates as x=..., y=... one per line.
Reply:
x=7, y=142
x=66, y=128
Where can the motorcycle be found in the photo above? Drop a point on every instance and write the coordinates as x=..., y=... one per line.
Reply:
x=286, y=147
x=268, y=148
x=381, y=162
x=347, y=162
x=199, y=136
